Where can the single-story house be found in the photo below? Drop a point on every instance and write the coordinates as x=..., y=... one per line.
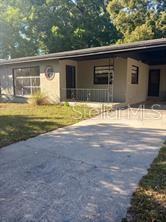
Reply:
x=126, y=73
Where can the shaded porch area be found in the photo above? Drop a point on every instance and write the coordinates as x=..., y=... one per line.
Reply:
x=95, y=80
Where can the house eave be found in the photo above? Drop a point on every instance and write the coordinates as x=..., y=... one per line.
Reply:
x=112, y=50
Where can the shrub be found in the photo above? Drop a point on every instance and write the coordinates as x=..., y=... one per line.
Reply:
x=39, y=98
x=66, y=104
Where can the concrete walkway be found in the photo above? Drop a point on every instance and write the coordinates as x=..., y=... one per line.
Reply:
x=83, y=173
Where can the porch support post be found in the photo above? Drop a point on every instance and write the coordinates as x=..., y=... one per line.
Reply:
x=111, y=78
x=113, y=72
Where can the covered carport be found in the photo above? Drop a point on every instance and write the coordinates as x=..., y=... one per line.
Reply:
x=149, y=57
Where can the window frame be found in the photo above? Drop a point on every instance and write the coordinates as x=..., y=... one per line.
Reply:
x=110, y=67
x=14, y=78
x=135, y=75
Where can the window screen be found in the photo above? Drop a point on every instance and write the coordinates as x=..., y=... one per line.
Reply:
x=103, y=74
x=135, y=75
x=26, y=80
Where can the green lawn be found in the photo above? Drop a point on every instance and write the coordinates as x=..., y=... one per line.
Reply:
x=22, y=121
x=149, y=201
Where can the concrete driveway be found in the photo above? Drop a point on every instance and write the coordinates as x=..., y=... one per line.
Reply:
x=83, y=173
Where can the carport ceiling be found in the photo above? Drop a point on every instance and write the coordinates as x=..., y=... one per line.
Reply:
x=149, y=56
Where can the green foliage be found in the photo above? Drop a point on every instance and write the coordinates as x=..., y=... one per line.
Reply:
x=16, y=39
x=66, y=104
x=148, y=202
x=74, y=24
x=22, y=121
x=45, y=26
x=139, y=19
x=31, y=27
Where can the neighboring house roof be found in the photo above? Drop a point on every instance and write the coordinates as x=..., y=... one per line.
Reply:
x=121, y=49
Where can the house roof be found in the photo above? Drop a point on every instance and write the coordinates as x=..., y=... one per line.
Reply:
x=136, y=50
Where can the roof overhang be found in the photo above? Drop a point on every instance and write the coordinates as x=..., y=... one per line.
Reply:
x=152, y=52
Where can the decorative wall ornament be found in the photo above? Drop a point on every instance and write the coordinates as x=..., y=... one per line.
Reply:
x=49, y=72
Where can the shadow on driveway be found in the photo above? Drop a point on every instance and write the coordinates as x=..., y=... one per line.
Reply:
x=83, y=173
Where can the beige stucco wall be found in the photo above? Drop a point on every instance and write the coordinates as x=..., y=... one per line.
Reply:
x=136, y=93
x=123, y=90
x=50, y=87
x=85, y=76
x=162, y=68
x=120, y=79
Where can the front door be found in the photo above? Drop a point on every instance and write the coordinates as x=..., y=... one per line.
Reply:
x=154, y=82
x=70, y=81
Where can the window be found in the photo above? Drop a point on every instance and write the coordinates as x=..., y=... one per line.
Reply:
x=26, y=80
x=135, y=75
x=103, y=74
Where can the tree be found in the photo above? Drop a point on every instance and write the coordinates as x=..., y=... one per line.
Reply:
x=30, y=27
x=73, y=24
x=138, y=19
x=15, y=38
